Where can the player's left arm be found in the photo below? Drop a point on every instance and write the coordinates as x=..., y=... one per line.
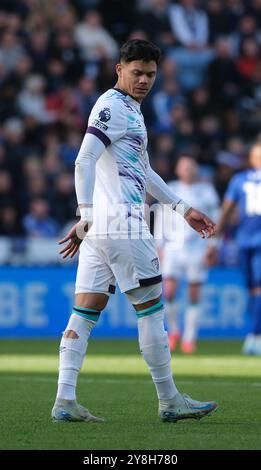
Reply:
x=158, y=189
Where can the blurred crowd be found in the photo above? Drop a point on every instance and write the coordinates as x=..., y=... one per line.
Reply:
x=58, y=56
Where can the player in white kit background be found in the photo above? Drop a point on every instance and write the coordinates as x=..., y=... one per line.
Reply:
x=188, y=262
x=112, y=176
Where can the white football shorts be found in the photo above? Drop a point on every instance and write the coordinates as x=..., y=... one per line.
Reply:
x=130, y=263
x=186, y=263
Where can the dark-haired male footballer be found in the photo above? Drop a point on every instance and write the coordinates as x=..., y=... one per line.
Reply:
x=112, y=176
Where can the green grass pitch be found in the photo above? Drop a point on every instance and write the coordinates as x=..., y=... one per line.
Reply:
x=115, y=383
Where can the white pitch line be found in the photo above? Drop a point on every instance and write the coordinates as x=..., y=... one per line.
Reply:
x=126, y=381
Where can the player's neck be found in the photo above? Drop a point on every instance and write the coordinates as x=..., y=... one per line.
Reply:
x=120, y=88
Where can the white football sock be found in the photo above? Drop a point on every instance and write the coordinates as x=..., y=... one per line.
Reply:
x=154, y=346
x=72, y=353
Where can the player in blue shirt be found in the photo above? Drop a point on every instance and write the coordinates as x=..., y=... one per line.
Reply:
x=244, y=191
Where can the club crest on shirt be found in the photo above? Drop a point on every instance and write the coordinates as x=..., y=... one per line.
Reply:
x=105, y=114
x=155, y=263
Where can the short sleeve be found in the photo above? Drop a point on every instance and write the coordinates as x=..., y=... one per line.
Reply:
x=108, y=120
x=232, y=193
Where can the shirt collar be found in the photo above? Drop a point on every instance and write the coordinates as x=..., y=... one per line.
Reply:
x=131, y=99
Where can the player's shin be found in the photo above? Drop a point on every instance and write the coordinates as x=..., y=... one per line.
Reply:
x=73, y=349
x=153, y=340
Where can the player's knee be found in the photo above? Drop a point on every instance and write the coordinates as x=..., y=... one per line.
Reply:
x=144, y=297
x=96, y=301
x=70, y=334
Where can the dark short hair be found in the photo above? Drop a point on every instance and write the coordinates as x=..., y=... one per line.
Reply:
x=140, y=49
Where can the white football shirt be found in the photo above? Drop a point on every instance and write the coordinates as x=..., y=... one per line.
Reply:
x=121, y=171
x=116, y=119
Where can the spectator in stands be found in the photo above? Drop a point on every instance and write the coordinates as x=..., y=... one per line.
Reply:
x=56, y=76
x=156, y=24
x=38, y=50
x=52, y=166
x=64, y=205
x=223, y=77
x=11, y=51
x=162, y=157
x=248, y=61
x=189, y=24
x=62, y=16
x=20, y=72
x=13, y=138
x=70, y=148
x=7, y=193
x=190, y=28
x=199, y=103
x=253, y=7
x=165, y=100
x=247, y=29
x=38, y=223
x=118, y=19
x=235, y=9
x=93, y=39
x=218, y=19
x=32, y=100
x=64, y=48
x=10, y=222
x=86, y=95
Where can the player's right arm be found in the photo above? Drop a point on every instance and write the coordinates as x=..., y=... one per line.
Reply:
x=107, y=123
x=91, y=149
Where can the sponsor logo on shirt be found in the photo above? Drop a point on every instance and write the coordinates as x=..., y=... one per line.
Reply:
x=100, y=125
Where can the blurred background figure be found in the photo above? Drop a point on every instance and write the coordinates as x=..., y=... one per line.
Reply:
x=189, y=262
x=244, y=191
x=94, y=40
x=37, y=223
x=189, y=24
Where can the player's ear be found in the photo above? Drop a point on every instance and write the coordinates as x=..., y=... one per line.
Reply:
x=118, y=69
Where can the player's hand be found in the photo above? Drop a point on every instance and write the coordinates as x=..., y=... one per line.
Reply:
x=75, y=237
x=201, y=223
